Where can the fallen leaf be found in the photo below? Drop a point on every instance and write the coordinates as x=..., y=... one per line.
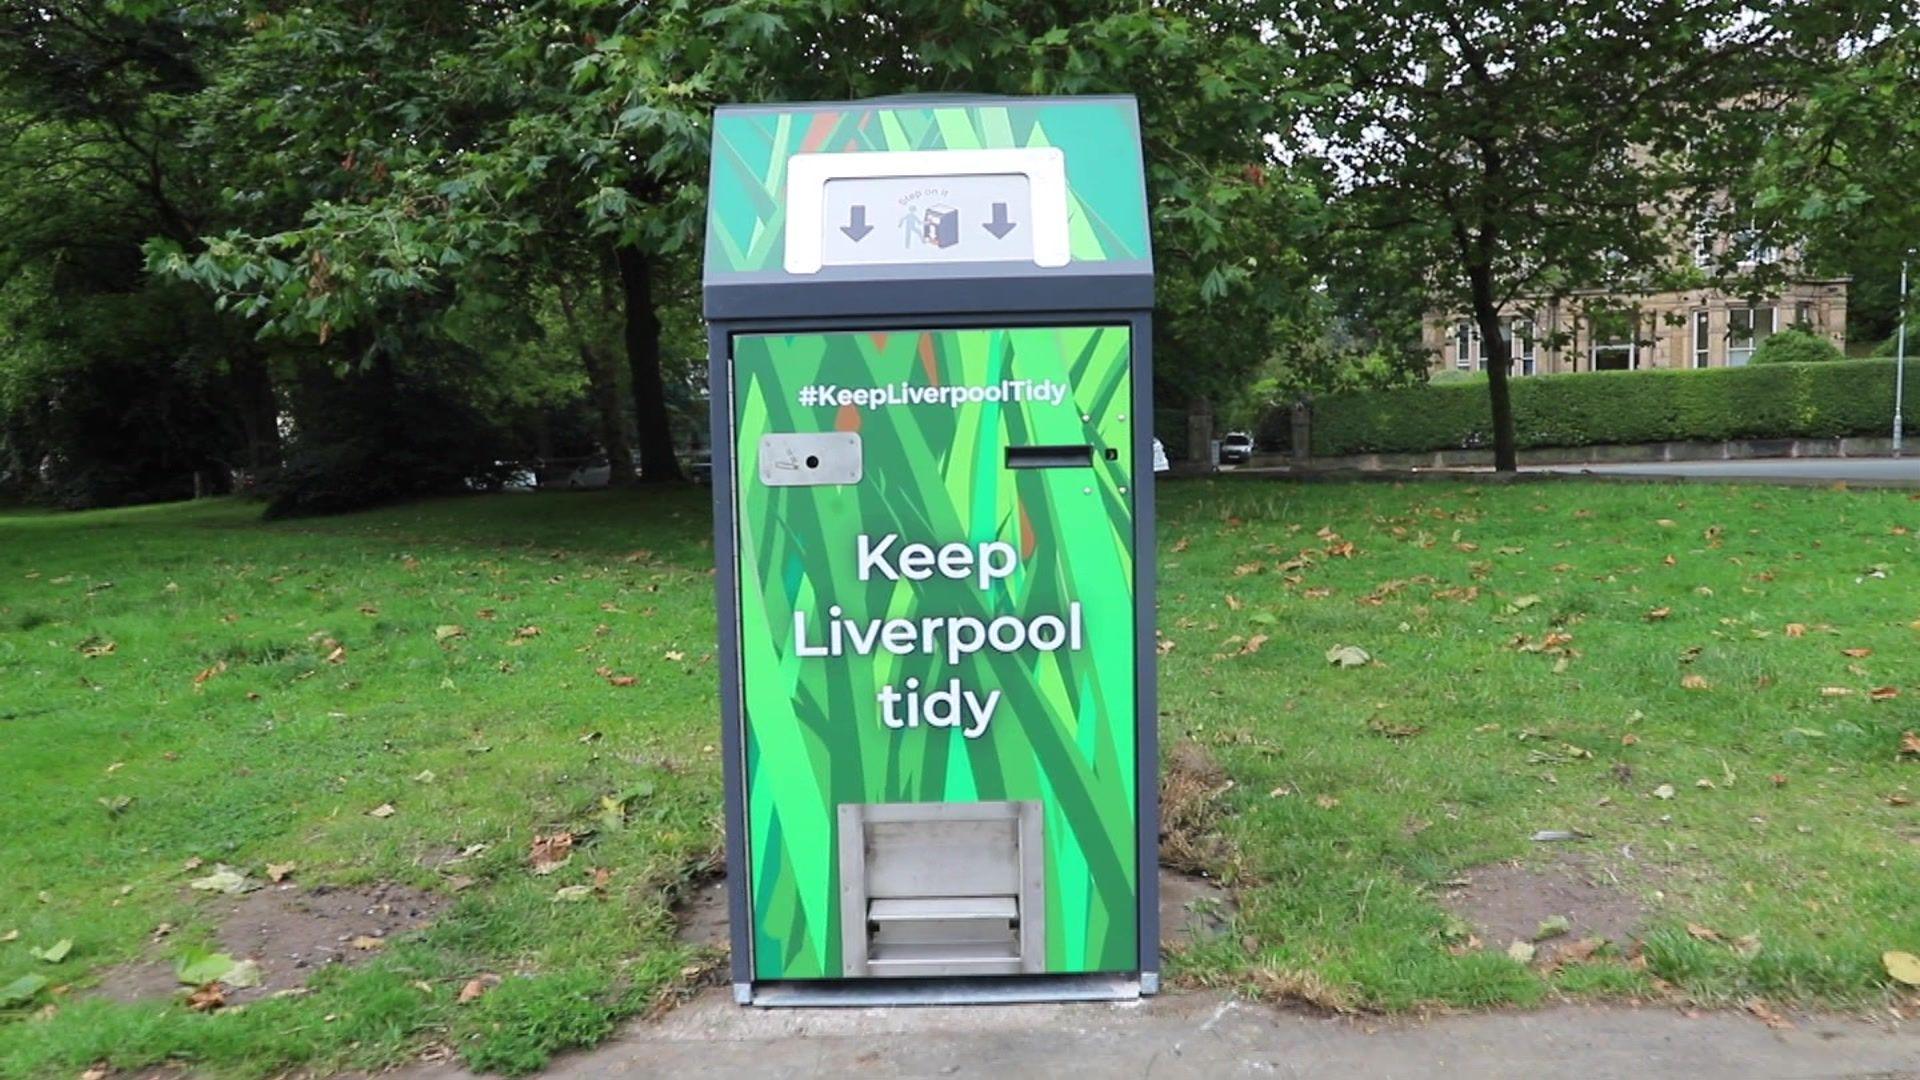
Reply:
x=477, y=988
x=1325, y=802
x=1579, y=952
x=675, y=655
x=21, y=990
x=1280, y=792
x=1552, y=927
x=550, y=853
x=224, y=879
x=1883, y=693
x=244, y=975
x=1664, y=791
x=1904, y=967
x=573, y=894
x=93, y=648
x=1704, y=933
x=1521, y=952
x=1629, y=739
x=1909, y=744
x=1348, y=656
x=621, y=680
x=1778, y=779
x=424, y=776
x=1253, y=644
x=1233, y=602
x=338, y=655
x=1898, y=799
x=208, y=673
x=11, y=935
x=199, y=968
x=1693, y=682
x=207, y=998
x=1795, y=629
x=1836, y=691
x=366, y=943
x=1857, y=654
x=1767, y=1015
x=459, y=882
x=384, y=810
x=53, y=953
x=1659, y=613
x=448, y=632
x=279, y=872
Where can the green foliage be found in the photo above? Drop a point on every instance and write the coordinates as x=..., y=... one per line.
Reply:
x=1824, y=400
x=1796, y=346
x=1529, y=148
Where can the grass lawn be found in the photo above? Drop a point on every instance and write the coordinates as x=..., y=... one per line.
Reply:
x=184, y=683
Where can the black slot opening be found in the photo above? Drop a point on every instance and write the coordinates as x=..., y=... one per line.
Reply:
x=1049, y=457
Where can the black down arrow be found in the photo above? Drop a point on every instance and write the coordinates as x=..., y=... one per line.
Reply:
x=999, y=226
x=856, y=226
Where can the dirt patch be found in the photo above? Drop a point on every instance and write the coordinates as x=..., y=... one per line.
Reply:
x=1190, y=811
x=701, y=914
x=1507, y=902
x=291, y=931
x=1193, y=909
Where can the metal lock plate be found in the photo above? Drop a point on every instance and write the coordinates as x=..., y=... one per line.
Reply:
x=809, y=460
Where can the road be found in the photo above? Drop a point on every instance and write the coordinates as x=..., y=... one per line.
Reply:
x=1875, y=472
x=1206, y=1036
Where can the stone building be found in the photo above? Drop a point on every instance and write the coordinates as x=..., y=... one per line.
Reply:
x=1596, y=331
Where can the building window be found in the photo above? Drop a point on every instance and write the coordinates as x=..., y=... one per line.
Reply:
x=1614, y=346
x=1522, y=345
x=1747, y=327
x=1466, y=341
x=1803, y=315
x=1702, y=340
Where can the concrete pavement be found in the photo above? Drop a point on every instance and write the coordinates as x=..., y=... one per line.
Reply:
x=1207, y=1035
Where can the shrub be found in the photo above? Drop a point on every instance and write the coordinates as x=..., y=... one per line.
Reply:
x=1822, y=400
x=1796, y=346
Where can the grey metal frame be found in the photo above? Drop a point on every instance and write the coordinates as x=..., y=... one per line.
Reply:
x=841, y=314
x=1029, y=875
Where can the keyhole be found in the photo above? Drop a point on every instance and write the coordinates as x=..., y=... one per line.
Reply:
x=813, y=461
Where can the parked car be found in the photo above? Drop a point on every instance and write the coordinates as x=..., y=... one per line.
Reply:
x=1236, y=448
x=589, y=474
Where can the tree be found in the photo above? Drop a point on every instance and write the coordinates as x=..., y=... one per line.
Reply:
x=1839, y=174
x=112, y=386
x=1520, y=149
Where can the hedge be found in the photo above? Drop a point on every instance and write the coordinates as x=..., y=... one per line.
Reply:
x=1847, y=397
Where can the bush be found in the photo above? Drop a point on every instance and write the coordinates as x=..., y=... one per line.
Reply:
x=1796, y=346
x=1823, y=400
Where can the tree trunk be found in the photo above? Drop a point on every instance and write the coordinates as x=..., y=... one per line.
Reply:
x=657, y=460
x=1200, y=430
x=258, y=412
x=1499, y=357
x=603, y=389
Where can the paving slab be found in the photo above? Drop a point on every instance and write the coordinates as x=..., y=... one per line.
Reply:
x=1210, y=1035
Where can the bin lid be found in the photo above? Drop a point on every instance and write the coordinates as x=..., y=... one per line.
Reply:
x=927, y=205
